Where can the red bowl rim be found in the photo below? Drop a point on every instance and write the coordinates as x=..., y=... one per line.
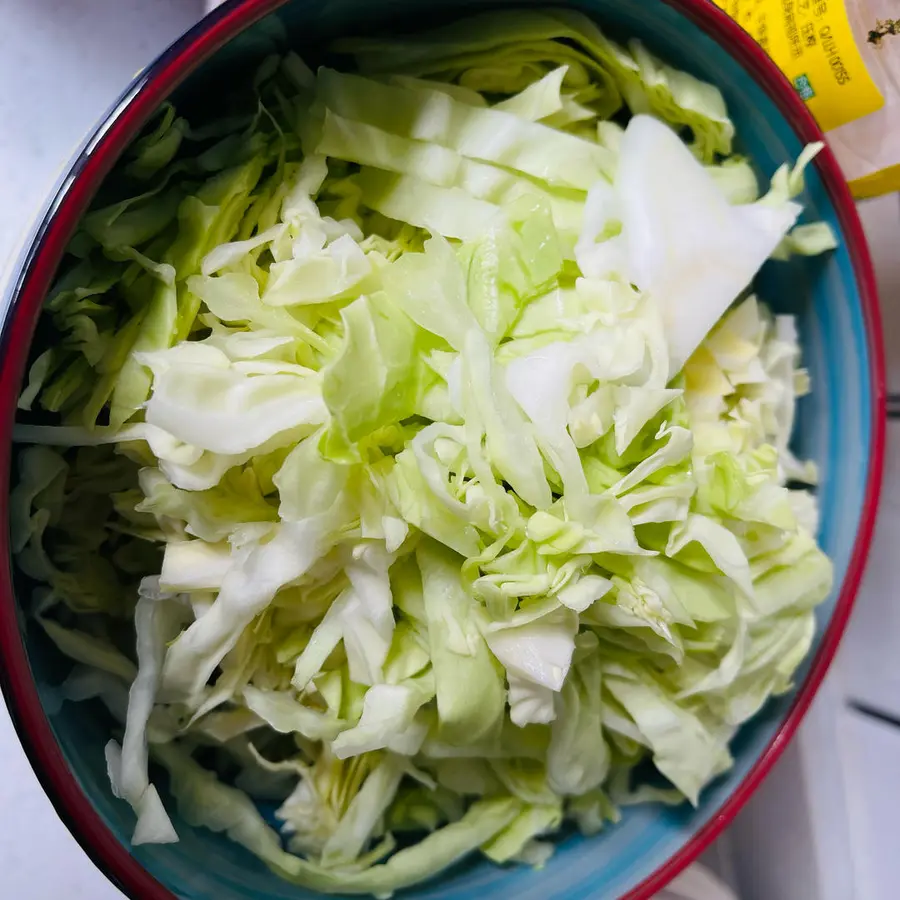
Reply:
x=29, y=287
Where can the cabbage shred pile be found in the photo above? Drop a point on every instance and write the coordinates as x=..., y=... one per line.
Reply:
x=421, y=423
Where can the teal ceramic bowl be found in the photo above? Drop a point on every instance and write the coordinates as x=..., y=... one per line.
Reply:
x=841, y=427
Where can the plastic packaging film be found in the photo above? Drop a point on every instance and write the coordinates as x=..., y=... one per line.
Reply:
x=843, y=58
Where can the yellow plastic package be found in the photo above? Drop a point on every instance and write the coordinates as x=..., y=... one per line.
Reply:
x=843, y=58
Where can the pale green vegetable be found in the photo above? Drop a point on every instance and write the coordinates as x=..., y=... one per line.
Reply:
x=388, y=719
x=578, y=758
x=468, y=685
x=227, y=407
x=249, y=584
x=488, y=135
x=379, y=377
x=661, y=250
x=422, y=423
x=154, y=621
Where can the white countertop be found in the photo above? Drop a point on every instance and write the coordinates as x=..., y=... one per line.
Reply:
x=62, y=63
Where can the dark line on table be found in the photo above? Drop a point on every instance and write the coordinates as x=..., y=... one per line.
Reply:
x=873, y=712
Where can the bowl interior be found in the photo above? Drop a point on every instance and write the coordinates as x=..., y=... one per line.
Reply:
x=834, y=430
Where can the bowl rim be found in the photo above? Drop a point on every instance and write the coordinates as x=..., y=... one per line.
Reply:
x=36, y=267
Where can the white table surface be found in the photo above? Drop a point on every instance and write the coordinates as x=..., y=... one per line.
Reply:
x=62, y=62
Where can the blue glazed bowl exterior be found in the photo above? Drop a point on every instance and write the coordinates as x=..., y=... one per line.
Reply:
x=840, y=428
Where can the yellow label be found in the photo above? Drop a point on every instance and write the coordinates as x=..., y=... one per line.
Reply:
x=811, y=41
x=884, y=182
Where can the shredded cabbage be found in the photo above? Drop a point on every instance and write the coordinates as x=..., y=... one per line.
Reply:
x=423, y=424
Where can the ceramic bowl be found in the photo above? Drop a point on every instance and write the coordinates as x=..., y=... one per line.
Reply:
x=840, y=426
